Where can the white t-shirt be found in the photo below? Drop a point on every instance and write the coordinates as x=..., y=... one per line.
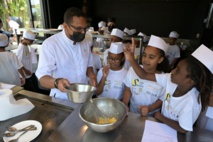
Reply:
x=114, y=85
x=14, y=25
x=9, y=65
x=24, y=55
x=144, y=92
x=173, y=52
x=184, y=109
x=59, y=58
x=96, y=62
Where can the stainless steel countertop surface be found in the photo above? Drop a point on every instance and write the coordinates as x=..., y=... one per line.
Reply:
x=73, y=129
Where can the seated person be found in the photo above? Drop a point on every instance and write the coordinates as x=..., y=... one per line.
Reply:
x=10, y=65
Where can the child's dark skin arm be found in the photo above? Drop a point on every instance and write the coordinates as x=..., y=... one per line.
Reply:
x=126, y=97
x=146, y=109
x=101, y=84
x=129, y=54
x=174, y=124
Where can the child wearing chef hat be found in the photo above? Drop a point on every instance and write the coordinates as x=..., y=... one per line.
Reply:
x=115, y=36
x=10, y=65
x=110, y=78
x=141, y=92
x=187, y=88
x=25, y=53
x=173, y=53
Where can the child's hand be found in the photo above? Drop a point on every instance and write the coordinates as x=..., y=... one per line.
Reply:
x=144, y=110
x=105, y=71
x=129, y=50
x=157, y=115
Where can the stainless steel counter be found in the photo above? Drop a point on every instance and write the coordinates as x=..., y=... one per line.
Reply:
x=61, y=123
x=73, y=129
x=50, y=112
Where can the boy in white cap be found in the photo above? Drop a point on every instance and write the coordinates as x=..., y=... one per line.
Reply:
x=10, y=65
x=141, y=92
x=24, y=54
x=187, y=88
x=110, y=78
x=115, y=36
x=173, y=52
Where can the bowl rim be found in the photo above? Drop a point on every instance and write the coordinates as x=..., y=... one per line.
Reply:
x=108, y=124
x=81, y=84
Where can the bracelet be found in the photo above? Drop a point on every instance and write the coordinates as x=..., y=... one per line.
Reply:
x=56, y=82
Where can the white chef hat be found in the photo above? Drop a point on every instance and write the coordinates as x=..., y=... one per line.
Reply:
x=205, y=56
x=132, y=31
x=117, y=32
x=28, y=34
x=145, y=38
x=101, y=24
x=116, y=47
x=174, y=34
x=126, y=30
x=9, y=107
x=157, y=42
x=3, y=40
x=91, y=29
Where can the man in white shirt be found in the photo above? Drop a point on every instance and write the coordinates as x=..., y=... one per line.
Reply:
x=66, y=56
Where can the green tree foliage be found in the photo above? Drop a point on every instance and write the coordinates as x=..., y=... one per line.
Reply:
x=16, y=8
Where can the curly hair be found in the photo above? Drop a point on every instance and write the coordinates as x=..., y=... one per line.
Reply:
x=202, y=78
x=71, y=12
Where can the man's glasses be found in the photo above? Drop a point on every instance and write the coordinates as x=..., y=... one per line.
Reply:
x=115, y=60
x=78, y=29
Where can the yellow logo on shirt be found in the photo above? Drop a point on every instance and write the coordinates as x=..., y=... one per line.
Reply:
x=135, y=82
x=167, y=97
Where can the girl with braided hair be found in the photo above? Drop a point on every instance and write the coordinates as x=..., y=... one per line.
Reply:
x=187, y=88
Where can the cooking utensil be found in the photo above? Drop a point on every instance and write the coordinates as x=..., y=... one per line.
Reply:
x=12, y=130
x=111, y=108
x=80, y=93
x=16, y=140
x=93, y=112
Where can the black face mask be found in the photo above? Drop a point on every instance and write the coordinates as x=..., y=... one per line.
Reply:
x=77, y=36
x=110, y=28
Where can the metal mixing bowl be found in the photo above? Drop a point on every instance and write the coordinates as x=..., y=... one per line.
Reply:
x=80, y=93
x=109, y=107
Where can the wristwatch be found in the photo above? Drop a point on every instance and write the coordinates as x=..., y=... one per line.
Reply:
x=56, y=82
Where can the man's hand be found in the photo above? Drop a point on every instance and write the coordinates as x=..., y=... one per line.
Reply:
x=23, y=81
x=62, y=83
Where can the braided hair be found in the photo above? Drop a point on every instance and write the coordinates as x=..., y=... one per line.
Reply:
x=202, y=78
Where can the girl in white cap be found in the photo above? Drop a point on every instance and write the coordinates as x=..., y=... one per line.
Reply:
x=24, y=54
x=141, y=92
x=110, y=78
x=10, y=65
x=188, y=88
